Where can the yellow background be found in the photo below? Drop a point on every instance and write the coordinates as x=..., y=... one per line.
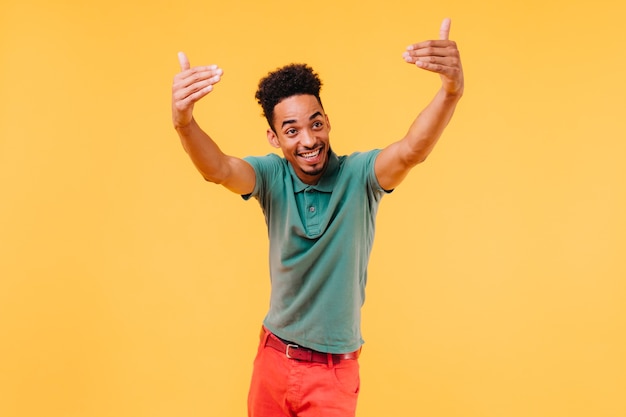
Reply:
x=130, y=287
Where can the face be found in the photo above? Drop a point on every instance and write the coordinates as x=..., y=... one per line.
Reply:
x=302, y=130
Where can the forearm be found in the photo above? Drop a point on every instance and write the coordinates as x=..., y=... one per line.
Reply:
x=425, y=131
x=440, y=57
x=396, y=160
x=204, y=152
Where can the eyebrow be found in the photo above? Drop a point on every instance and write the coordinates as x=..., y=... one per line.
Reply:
x=290, y=121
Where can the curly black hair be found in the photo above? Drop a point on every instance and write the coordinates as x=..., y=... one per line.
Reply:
x=284, y=82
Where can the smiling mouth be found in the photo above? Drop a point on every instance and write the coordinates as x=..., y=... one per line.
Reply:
x=311, y=155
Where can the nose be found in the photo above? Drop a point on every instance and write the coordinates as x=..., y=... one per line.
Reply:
x=307, y=138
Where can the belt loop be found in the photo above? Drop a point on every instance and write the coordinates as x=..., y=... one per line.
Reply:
x=329, y=357
x=265, y=335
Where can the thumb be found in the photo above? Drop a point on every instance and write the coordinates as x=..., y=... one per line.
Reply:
x=184, y=62
x=444, y=30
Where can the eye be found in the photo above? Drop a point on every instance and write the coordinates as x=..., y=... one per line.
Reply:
x=291, y=132
x=318, y=125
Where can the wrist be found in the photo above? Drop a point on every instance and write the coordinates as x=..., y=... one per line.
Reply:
x=183, y=126
x=452, y=94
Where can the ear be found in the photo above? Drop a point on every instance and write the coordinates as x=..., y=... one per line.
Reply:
x=272, y=138
x=327, y=121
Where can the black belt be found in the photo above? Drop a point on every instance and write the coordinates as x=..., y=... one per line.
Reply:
x=299, y=353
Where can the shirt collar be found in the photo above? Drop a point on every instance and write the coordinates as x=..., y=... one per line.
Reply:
x=327, y=180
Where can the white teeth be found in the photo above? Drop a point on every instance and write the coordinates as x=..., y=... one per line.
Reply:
x=311, y=154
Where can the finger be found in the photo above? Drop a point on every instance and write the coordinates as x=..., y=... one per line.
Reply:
x=198, y=75
x=184, y=101
x=430, y=47
x=444, y=30
x=181, y=93
x=442, y=61
x=190, y=85
x=439, y=68
x=183, y=61
x=448, y=55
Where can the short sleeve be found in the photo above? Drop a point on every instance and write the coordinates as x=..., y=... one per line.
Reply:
x=267, y=168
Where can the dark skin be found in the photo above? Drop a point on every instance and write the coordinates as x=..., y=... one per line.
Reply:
x=310, y=125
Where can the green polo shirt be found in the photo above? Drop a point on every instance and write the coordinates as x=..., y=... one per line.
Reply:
x=320, y=241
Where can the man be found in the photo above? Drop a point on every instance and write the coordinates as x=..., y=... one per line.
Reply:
x=320, y=211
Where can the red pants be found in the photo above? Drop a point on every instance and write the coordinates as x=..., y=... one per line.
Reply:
x=284, y=387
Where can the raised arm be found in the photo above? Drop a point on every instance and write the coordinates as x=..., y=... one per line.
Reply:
x=190, y=85
x=441, y=57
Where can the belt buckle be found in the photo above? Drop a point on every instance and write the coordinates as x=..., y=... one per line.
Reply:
x=290, y=346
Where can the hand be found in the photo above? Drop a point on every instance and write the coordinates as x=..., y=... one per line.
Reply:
x=189, y=86
x=439, y=56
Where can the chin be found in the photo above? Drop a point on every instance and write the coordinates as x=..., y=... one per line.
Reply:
x=317, y=169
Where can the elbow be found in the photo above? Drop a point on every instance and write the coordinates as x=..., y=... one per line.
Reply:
x=425, y=156
x=215, y=175
x=416, y=157
x=421, y=160
x=415, y=152
x=419, y=154
x=212, y=179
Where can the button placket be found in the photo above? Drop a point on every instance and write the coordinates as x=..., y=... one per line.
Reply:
x=311, y=203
